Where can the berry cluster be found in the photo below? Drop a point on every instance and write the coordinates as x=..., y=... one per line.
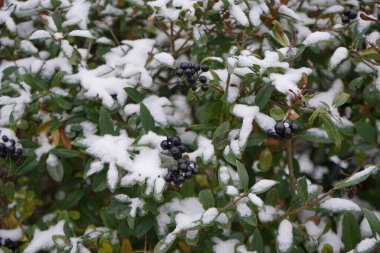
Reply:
x=8, y=243
x=179, y=173
x=189, y=74
x=349, y=14
x=174, y=145
x=9, y=147
x=283, y=130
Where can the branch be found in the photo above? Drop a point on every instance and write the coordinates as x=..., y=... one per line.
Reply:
x=292, y=179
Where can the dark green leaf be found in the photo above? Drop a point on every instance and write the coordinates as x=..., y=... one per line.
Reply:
x=373, y=221
x=366, y=131
x=105, y=122
x=28, y=165
x=264, y=95
x=61, y=102
x=302, y=189
x=67, y=230
x=350, y=230
x=277, y=113
x=9, y=189
x=56, y=172
x=146, y=118
x=206, y=198
x=221, y=130
x=341, y=99
x=134, y=94
x=255, y=242
x=57, y=19
x=331, y=129
x=64, y=153
x=243, y=175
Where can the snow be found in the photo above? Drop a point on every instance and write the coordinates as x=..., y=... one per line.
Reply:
x=239, y=15
x=222, y=218
x=224, y=175
x=112, y=176
x=263, y=186
x=256, y=200
x=247, y=113
x=366, y=245
x=81, y=33
x=45, y=145
x=40, y=34
x=243, y=210
x=187, y=214
x=285, y=236
x=360, y=174
x=269, y=213
x=331, y=238
x=77, y=14
x=28, y=47
x=5, y=18
x=271, y=59
x=210, y=215
x=205, y=150
x=42, y=240
x=12, y=234
x=135, y=204
x=232, y=190
x=164, y=58
x=365, y=229
x=288, y=12
x=221, y=246
x=317, y=37
x=287, y=83
x=339, y=55
x=339, y=205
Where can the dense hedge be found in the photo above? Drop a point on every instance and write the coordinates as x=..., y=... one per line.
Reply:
x=189, y=126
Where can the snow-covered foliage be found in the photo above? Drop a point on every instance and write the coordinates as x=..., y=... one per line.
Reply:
x=90, y=90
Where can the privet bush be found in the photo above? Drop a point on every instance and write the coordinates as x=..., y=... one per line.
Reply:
x=189, y=126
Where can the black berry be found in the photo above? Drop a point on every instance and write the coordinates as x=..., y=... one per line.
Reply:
x=164, y=145
x=295, y=128
x=183, y=148
x=182, y=161
x=288, y=133
x=191, y=79
x=168, y=177
x=204, y=87
x=205, y=68
x=173, y=169
x=179, y=72
x=345, y=19
x=176, y=152
x=176, y=141
x=346, y=11
x=279, y=128
x=196, y=66
x=5, y=138
x=188, y=174
x=184, y=65
x=353, y=14
x=183, y=167
x=194, y=88
x=13, y=142
x=188, y=72
x=195, y=171
x=202, y=79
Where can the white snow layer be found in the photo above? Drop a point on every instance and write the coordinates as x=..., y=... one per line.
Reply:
x=42, y=240
x=285, y=236
x=339, y=205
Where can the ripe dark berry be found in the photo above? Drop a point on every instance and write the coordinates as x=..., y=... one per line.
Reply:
x=176, y=141
x=288, y=133
x=5, y=138
x=295, y=128
x=279, y=128
x=169, y=139
x=184, y=65
x=353, y=14
x=11, y=149
x=288, y=123
x=183, y=148
x=188, y=72
x=196, y=66
x=202, y=79
x=188, y=174
x=204, y=87
x=272, y=134
x=191, y=79
x=179, y=72
x=168, y=177
x=164, y=145
x=182, y=87
x=195, y=171
x=346, y=11
x=192, y=165
x=181, y=179
x=182, y=167
x=194, y=88
x=182, y=161
x=2, y=147
x=205, y=68
x=176, y=152
x=173, y=169
x=345, y=19
x=13, y=142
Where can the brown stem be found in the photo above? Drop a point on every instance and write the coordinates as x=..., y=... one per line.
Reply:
x=292, y=179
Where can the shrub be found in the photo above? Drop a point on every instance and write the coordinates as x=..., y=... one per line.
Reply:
x=189, y=126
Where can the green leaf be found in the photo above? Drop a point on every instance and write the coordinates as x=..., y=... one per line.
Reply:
x=105, y=122
x=331, y=129
x=64, y=153
x=122, y=212
x=302, y=189
x=355, y=179
x=264, y=95
x=251, y=220
x=28, y=165
x=350, y=231
x=67, y=230
x=57, y=19
x=243, y=175
x=144, y=225
x=9, y=189
x=55, y=3
x=277, y=113
x=31, y=81
x=265, y=159
x=56, y=172
x=341, y=99
x=61, y=102
x=134, y=94
x=366, y=131
x=206, y=198
x=373, y=221
x=146, y=118
x=221, y=130
x=280, y=35
x=255, y=242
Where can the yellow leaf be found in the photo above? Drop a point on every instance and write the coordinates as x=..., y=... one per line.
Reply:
x=126, y=246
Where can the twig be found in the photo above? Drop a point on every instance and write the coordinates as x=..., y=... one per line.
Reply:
x=292, y=179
